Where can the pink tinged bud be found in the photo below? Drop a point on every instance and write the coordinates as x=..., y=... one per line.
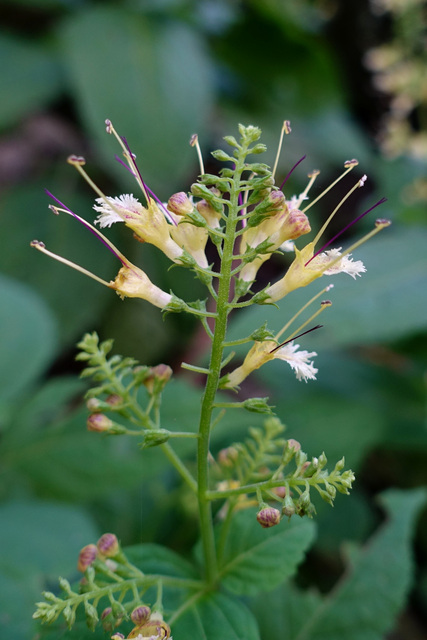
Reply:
x=268, y=517
x=132, y=282
x=108, y=126
x=140, y=615
x=114, y=400
x=180, y=204
x=87, y=557
x=99, y=422
x=108, y=545
x=293, y=445
x=211, y=216
x=227, y=456
x=157, y=378
x=108, y=620
x=280, y=491
x=297, y=224
x=93, y=404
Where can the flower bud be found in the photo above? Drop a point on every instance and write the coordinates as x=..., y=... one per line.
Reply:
x=180, y=204
x=227, y=456
x=86, y=557
x=288, y=508
x=94, y=404
x=107, y=619
x=268, y=517
x=157, y=378
x=140, y=615
x=108, y=545
x=114, y=400
x=297, y=224
x=99, y=422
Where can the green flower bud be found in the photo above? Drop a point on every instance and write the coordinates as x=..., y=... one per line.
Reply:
x=257, y=405
x=288, y=508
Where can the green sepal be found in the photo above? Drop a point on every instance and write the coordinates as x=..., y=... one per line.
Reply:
x=242, y=287
x=259, y=148
x=198, y=305
x=250, y=133
x=258, y=405
x=262, y=333
x=222, y=156
x=155, y=438
x=258, y=167
x=176, y=305
x=231, y=140
x=195, y=218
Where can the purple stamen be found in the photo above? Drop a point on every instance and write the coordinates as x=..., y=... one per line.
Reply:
x=318, y=326
x=159, y=202
x=85, y=224
x=291, y=171
x=350, y=224
x=123, y=163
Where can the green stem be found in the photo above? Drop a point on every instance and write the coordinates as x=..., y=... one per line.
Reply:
x=222, y=311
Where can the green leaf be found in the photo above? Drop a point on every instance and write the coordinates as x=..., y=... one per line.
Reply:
x=29, y=337
x=30, y=79
x=257, y=559
x=282, y=612
x=216, y=617
x=153, y=81
x=366, y=601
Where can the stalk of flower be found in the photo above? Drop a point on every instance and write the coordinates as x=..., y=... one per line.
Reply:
x=130, y=281
x=309, y=265
x=262, y=352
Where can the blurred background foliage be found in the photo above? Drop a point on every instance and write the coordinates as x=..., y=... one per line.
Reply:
x=351, y=77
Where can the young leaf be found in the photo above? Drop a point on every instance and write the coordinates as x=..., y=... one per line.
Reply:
x=257, y=559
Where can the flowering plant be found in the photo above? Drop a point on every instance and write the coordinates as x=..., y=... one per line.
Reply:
x=256, y=498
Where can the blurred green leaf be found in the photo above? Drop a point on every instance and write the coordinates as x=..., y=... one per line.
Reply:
x=152, y=79
x=29, y=337
x=257, y=559
x=216, y=617
x=367, y=599
x=43, y=537
x=283, y=611
x=30, y=79
x=75, y=299
x=153, y=558
x=43, y=541
x=65, y=461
